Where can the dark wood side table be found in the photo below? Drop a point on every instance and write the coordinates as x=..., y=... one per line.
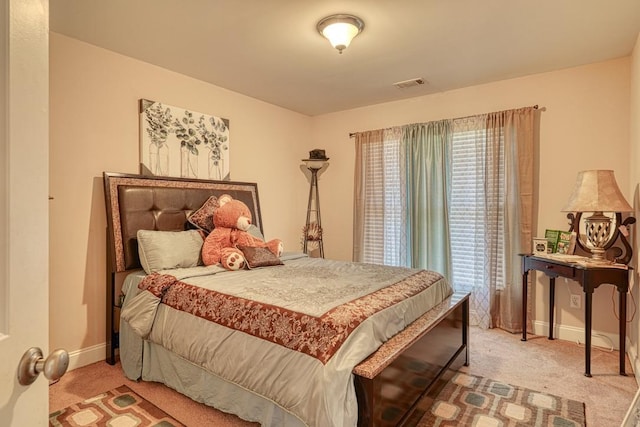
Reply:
x=589, y=277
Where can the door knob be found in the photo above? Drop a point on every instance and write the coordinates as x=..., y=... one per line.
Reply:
x=32, y=363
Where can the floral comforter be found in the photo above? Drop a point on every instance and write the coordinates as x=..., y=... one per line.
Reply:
x=290, y=333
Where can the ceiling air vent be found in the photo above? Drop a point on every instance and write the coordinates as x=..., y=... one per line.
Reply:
x=409, y=83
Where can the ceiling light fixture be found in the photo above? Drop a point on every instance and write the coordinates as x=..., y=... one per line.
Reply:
x=340, y=29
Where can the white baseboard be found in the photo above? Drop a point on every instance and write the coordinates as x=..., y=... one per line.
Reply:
x=87, y=356
x=571, y=333
x=632, y=354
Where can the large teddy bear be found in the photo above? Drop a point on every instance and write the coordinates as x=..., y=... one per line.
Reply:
x=231, y=220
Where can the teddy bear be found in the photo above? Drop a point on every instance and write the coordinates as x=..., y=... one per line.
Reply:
x=231, y=220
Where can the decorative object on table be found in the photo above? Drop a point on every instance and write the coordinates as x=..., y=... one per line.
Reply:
x=597, y=192
x=182, y=143
x=540, y=245
x=120, y=406
x=340, y=29
x=552, y=237
x=312, y=231
x=566, y=242
x=472, y=400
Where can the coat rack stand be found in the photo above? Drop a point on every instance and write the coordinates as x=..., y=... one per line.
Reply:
x=313, y=225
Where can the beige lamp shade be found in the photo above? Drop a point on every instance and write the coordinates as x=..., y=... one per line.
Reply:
x=597, y=191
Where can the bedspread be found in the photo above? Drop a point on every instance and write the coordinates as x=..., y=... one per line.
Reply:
x=291, y=333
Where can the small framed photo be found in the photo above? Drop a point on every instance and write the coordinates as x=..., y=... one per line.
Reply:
x=540, y=245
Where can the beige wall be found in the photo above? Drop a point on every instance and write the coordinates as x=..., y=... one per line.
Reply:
x=585, y=126
x=94, y=128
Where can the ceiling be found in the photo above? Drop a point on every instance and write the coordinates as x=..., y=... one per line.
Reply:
x=271, y=50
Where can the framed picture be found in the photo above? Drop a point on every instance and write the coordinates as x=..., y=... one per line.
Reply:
x=182, y=143
x=540, y=245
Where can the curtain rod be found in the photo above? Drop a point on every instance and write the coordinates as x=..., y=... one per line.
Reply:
x=535, y=107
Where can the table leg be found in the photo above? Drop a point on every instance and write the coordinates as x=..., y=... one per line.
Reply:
x=525, y=281
x=552, y=304
x=622, y=329
x=587, y=333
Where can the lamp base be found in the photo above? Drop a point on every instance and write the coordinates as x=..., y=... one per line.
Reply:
x=597, y=257
x=598, y=234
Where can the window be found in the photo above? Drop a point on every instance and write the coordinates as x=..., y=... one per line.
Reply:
x=474, y=206
x=384, y=235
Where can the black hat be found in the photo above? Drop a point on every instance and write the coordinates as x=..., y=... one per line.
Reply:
x=317, y=155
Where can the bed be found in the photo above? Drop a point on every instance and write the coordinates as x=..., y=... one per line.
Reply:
x=305, y=341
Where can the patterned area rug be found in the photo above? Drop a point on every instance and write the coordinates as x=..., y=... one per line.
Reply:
x=468, y=400
x=119, y=407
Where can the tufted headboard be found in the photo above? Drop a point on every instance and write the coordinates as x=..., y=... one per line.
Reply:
x=139, y=202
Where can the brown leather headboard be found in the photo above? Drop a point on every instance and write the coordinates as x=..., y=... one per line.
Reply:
x=138, y=202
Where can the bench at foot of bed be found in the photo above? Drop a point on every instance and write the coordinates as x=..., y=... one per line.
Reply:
x=391, y=382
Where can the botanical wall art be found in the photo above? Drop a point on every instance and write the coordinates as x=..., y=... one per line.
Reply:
x=182, y=143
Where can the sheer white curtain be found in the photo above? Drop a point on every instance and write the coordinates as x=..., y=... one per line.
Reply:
x=380, y=207
x=470, y=231
x=491, y=212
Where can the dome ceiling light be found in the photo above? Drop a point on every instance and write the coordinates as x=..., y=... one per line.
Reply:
x=340, y=29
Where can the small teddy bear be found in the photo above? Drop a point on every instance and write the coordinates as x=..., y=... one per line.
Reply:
x=231, y=220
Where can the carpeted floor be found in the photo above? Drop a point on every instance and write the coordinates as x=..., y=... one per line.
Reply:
x=550, y=367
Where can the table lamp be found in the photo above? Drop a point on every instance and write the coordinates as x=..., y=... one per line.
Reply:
x=597, y=191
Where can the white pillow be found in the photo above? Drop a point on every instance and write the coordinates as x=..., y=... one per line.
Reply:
x=165, y=250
